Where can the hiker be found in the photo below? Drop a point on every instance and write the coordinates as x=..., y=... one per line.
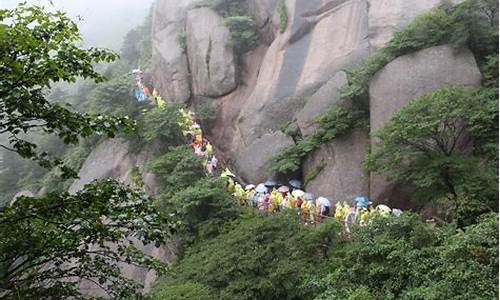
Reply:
x=276, y=200
x=251, y=195
x=283, y=190
x=212, y=165
x=240, y=194
x=158, y=99
x=323, y=206
x=307, y=209
x=362, y=204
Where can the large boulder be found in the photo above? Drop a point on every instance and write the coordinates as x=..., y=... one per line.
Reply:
x=342, y=176
x=211, y=58
x=327, y=96
x=411, y=76
x=169, y=65
x=109, y=159
x=254, y=160
x=113, y=158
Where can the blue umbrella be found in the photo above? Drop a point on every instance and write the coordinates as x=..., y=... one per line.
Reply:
x=362, y=201
x=270, y=183
x=295, y=183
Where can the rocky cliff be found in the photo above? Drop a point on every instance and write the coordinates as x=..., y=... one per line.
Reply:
x=294, y=76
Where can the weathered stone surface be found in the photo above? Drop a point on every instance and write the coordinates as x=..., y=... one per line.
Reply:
x=263, y=12
x=411, y=76
x=210, y=53
x=388, y=16
x=112, y=158
x=418, y=74
x=338, y=40
x=343, y=176
x=108, y=159
x=321, y=101
x=322, y=38
x=253, y=161
x=169, y=65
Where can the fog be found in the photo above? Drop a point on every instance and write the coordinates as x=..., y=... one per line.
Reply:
x=105, y=22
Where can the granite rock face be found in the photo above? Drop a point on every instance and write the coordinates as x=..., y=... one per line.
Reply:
x=169, y=64
x=253, y=163
x=342, y=176
x=210, y=53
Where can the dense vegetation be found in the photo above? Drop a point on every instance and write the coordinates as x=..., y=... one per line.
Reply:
x=224, y=251
x=446, y=145
x=48, y=244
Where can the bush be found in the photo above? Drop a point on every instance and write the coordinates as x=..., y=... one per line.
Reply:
x=423, y=145
x=283, y=13
x=335, y=122
x=177, y=169
x=243, y=32
x=255, y=257
x=461, y=25
x=184, y=291
x=405, y=258
x=162, y=122
x=114, y=97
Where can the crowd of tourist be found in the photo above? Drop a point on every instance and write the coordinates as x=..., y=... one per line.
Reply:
x=270, y=196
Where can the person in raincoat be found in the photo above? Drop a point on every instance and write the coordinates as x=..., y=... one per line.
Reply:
x=212, y=165
x=158, y=99
x=276, y=200
x=229, y=176
x=283, y=190
x=250, y=193
x=198, y=134
x=323, y=206
x=240, y=194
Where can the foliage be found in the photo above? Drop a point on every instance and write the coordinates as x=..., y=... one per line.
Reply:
x=460, y=25
x=404, y=258
x=256, y=257
x=184, y=291
x=206, y=112
x=424, y=145
x=114, y=97
x=136, y=177
x=489, y=70
x=243, y=32
x=182, y=41
x=177, y=169
x=283, y=14
x=292, y=130
x=162, y=122
x=48, y=242
x=40, y=48
x=226, y=8
x=200, y=209
x=131, y=48
x=335, y=122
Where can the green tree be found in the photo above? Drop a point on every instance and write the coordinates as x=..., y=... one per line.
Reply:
x=405, y=258
x=39, y=48
x=244, y=33
x=49, y=243
x=430, y=144
x=256, y=257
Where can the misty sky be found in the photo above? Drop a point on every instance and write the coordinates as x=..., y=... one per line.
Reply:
x=105, y=22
